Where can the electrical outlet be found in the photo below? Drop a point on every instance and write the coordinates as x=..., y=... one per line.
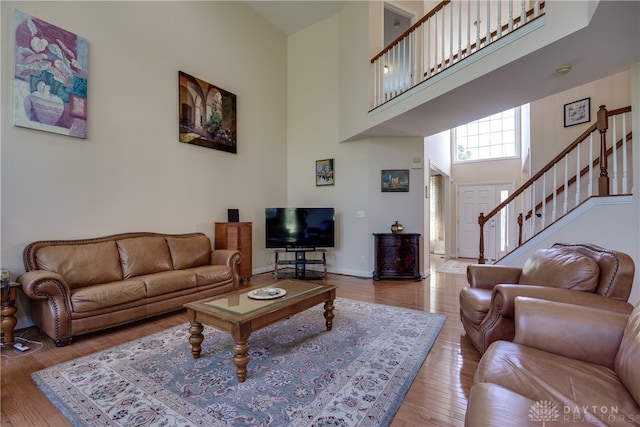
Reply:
x=363, y=259
x=359, y=214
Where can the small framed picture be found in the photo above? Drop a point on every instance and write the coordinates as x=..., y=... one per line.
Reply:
x=325, y=172
x=577, y=112
x=394, y=180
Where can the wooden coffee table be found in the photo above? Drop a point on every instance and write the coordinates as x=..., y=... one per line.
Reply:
x=239, y=315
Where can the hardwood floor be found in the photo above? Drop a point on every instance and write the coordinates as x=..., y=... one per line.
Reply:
x=437, y=397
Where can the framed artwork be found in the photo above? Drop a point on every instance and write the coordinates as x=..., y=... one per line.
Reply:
x=324, y=172
x=577, y=112
x=50, y=78
x=207, y=114
x=394, y=180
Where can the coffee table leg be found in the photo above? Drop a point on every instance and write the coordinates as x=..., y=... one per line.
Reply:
x=196, y=338
x=241, y=359
x=328, y=313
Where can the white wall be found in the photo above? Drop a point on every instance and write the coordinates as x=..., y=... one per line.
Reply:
x=131, y=173
x=313, y=94
x=548, y=134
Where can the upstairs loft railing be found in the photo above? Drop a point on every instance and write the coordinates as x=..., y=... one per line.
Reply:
x=448, y=34
x=567, y=181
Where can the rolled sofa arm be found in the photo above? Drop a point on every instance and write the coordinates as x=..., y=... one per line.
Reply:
x=486, y=276
x=50, y=293
x=230, y=257
x=579, y=332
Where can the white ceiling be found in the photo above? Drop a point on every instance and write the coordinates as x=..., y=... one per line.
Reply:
x=294, y=15
x=610, y=44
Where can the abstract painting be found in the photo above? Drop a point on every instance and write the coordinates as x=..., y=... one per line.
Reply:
x=50, y=79
x=207, y=114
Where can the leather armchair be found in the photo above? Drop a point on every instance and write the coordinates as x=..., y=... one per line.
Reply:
x=580, y=274
x=570, y=365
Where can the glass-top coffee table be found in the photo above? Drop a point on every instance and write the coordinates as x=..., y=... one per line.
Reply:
x=244, y=311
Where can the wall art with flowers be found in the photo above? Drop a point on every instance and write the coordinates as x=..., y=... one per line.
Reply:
x=50, y=82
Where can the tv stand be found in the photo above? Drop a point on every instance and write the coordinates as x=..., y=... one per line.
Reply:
x=299, y=263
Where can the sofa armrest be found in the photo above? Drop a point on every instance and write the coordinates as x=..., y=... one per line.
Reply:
x=230, y=257
x=504, y=296
x=51, y=303
x=579, y=332
x=41, y=284
x=487, y=276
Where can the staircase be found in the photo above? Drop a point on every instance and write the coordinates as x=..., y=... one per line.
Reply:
x=596, y=165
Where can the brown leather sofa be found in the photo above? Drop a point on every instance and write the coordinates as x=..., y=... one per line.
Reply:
x=81, y=286
x=582, y=274
x=568, y=365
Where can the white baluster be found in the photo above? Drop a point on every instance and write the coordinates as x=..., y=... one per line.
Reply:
x=565, y=203
x=543, y=224
x=459, y=32
x=555, y=185
x=510, y=15
x=533, y=208
x=578, y=180
x=499, y=14
x=523, y=13
x=614, y=155
x=468, y=27
x=624, y=153
x=590, y=188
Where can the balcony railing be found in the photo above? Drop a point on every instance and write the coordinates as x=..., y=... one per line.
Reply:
x=450, y=33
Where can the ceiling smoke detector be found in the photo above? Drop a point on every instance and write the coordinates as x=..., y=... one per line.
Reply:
x=561, y=71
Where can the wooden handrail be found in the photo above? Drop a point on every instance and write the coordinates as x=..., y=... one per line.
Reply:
x=601, y=125
x=437, y=9
x=411, y=29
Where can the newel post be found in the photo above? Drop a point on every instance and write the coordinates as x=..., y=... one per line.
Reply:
x=520, y=221
x=481, y=222
x=603, y=179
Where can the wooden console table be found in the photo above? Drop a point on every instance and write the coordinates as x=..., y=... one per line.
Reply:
x=397, y=256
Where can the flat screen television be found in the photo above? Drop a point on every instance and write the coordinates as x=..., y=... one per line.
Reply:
x=300, y=228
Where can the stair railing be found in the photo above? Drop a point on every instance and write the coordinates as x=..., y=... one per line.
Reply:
x=448, y=34
x=542, y=200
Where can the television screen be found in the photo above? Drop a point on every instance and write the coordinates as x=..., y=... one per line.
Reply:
x=300, y=227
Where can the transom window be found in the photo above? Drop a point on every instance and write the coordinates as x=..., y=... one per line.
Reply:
x=493, y=137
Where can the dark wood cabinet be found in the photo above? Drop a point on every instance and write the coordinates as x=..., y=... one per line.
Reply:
x=397, y=256
x=236, y=235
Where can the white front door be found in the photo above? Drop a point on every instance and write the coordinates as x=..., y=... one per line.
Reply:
x=476, y=199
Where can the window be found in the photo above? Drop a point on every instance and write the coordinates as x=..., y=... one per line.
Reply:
x=490, y=138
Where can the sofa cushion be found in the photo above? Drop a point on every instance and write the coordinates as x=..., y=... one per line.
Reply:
x=97, y=297
x=82, y=264
x=188, y=252
x=561, y=268
x=210, y=274
x=167, y=282
x=475, y=303
x=144, y=255
x=570, y=384
x=627, y=360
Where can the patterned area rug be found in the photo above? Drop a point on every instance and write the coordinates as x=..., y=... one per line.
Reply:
x=454, y=267
x=299, y=374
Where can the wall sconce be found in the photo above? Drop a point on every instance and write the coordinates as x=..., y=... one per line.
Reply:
x=386, y=69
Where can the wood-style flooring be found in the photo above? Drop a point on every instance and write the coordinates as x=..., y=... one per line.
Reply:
x=437, y=397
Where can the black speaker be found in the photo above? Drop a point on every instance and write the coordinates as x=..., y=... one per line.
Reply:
x=233, y=215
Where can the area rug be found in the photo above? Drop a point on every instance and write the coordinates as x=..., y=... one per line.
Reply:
x=299, y=373
x=454, y=267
